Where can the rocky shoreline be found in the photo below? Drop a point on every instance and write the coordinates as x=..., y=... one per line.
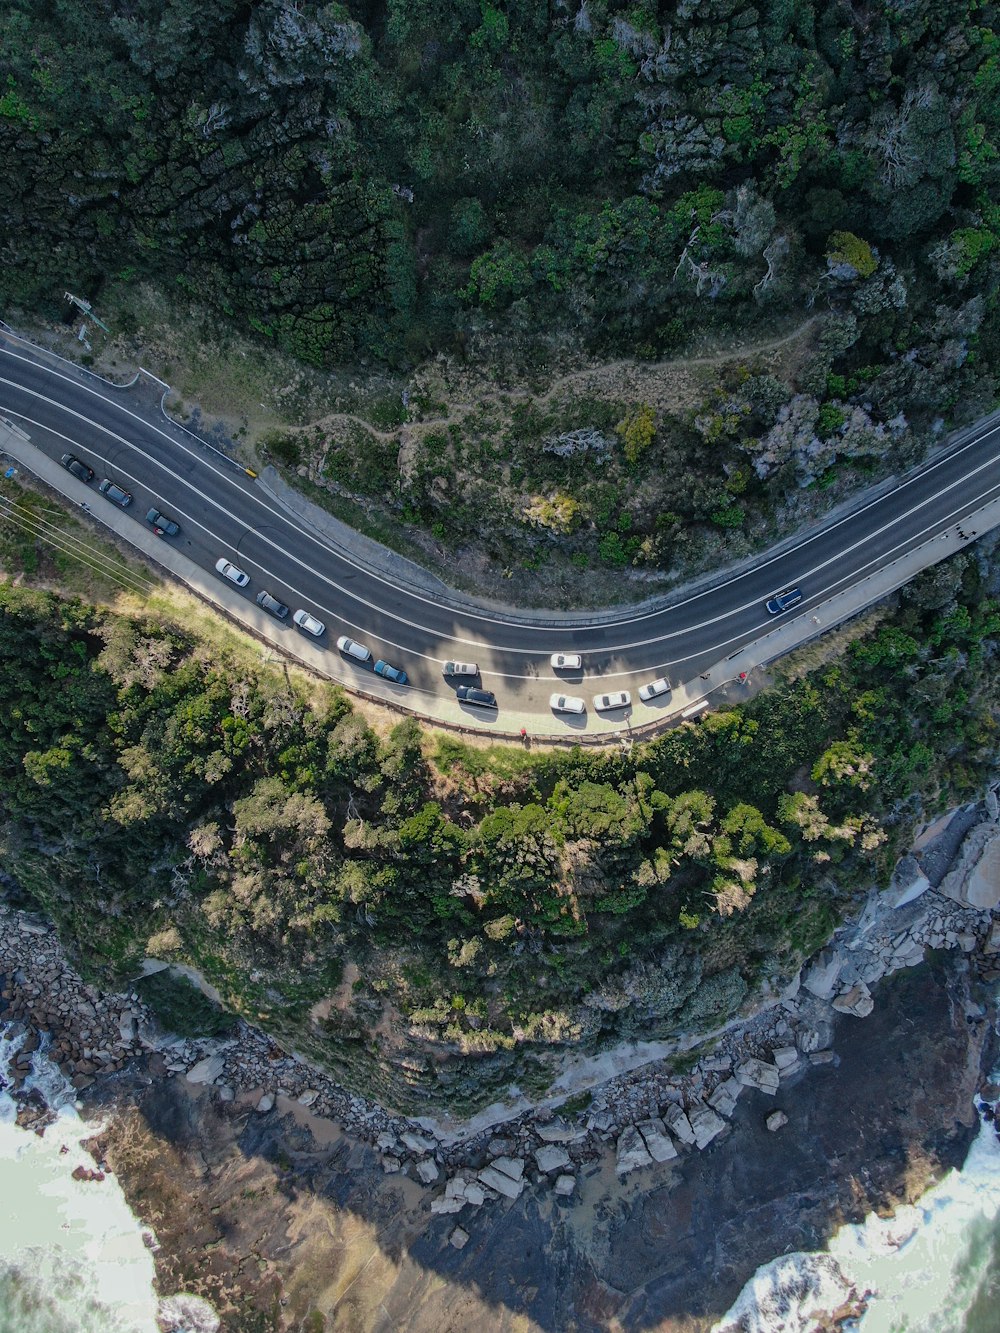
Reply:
x=636, y=1127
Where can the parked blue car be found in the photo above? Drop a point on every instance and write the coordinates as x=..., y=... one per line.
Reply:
x=391, y=673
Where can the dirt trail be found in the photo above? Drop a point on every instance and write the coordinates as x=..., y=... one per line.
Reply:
x=605, y=370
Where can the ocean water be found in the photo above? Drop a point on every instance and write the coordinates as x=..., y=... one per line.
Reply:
x=932, y=1268
x=72, y=1254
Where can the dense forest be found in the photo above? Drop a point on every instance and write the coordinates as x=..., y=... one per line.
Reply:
x=381, y=178
x=434, y=919
x=384, y=182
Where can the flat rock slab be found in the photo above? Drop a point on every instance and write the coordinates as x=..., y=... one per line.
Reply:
x=678, y=1124
x=551, y=1157
x=705, y=1124
x=632, y=1152
x=725, y=1096
x=501, y=1182
x=207, y=1070
x=658, y=1142
x=759, y=1074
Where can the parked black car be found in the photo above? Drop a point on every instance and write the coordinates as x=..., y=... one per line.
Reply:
x=79, y=470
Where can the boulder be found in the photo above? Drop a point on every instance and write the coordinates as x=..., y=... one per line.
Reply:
x=418, y=1143
x=501, y=1182
x=776, y=1120
x=459, y=1238
x=907, y=884
x=632, y=1152
x=678, y=1123
x=755, y=1073
x=705, y=1124
x=717, y=1064
x=207, y=1070
x=564, y=1186
x=265, y=1104
x=510, y=1166
x=385, y=1140
x=551, y=1157
x=427, y=1170
x=823, y=973
x=974, y=880
x=308, y=1097
x=821, y=1057
x=558, y=1131
x=723, y=1099
x=390, y=1165
x=992, y=942
x=857, y=1001
x=658, y=1141
x=126, y=1026
x=785, y=1057
x=447, y=1204
x=226, y=1093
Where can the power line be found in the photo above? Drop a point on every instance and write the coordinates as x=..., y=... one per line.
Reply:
x=29, y=522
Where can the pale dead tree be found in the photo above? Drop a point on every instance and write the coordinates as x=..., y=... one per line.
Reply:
x=216, y=118
x=700, y=274
x=890, y=139
x=774, y=253
x=750, y=220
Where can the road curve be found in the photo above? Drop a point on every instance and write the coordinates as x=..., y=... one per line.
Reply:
x=222, y=511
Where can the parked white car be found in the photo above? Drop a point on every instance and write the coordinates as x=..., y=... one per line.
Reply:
x=354, y=649
x=567, y=703
x=232, y=572
x=605, y=702
x=460, y=669
x=654, y=689
x=566, y=661
x=309, y=623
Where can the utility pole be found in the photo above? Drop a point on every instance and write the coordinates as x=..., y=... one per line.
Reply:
x=87, y=309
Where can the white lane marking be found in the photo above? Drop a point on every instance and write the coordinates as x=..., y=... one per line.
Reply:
x=718, y=648
x=413, y=595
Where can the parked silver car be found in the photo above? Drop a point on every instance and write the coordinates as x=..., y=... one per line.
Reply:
x=354, y=649
x=566, y=661
x=309, y=624
x=460, y=669
x=232, y=572
x=567, y=703
x=654, y=689
x=605, y=702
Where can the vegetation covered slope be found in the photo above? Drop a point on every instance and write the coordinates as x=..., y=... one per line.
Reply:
x=388, y=180
x=381, y=177
x=434, y=920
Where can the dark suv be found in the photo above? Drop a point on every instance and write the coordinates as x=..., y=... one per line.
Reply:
x=472, y=694
x=79, y=470
x=783, y=601
x=269, y=603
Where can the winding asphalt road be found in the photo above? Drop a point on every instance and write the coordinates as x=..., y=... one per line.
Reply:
x=223, y=511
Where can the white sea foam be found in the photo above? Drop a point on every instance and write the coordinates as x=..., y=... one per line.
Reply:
x=72, y=1255
x=72, y=1251
x=921, y=1269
